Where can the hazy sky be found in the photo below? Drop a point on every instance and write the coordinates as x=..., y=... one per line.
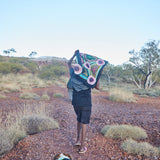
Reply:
x=108, y=29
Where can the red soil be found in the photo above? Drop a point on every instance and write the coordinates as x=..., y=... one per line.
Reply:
x=43, y=146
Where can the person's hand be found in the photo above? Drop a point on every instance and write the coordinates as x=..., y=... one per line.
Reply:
x=76, y=52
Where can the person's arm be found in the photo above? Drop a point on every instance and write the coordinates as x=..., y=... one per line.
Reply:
x=97, y=85
x=71, y=59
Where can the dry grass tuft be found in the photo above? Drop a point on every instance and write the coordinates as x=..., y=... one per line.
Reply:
x=142, y=148
x=30, y=96
x=37, y=123
x=45, y=97
x=121, y=95
x=2, y=96
x=10, y=137
x=56, y=95
x=123, y=132
x=32, y=117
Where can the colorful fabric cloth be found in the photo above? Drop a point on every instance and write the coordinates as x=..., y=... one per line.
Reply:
x=88, y=68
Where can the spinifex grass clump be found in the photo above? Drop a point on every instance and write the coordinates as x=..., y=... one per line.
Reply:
x=37, y=123
x=30, y=95
x=27, y=119
x=121, y=95
x=2, y=96
x=123, y=132
x=141, y=148
x=45, y=97
x=10, y=137
x=58, y=95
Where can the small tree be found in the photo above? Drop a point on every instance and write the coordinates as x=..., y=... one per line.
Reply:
x=147, y=61
x=8, y=52
x=32, y=54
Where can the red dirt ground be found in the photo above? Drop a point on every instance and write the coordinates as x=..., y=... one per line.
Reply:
x=45, y=145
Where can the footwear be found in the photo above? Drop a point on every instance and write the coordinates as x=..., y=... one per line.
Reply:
x=77, y=144
x=83, y=150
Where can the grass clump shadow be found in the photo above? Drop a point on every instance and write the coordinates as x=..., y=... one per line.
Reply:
x=121, y=95
x=37, y=123
x=139, y=148
x=123, y=132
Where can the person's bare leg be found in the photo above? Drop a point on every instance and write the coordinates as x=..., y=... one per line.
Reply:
x=79, y=126
x=83, y=136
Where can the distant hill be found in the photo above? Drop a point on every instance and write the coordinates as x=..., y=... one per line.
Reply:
x=48, y=59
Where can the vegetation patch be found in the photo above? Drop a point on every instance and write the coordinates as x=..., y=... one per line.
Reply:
x=10, y=137
x=56, y=95
x=123, y=132
x=37, y=123
x=30, y=96
x=141, y=148
x=121, y=95
x=2, y=96
x=45, y=97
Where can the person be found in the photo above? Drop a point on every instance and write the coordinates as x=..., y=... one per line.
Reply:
x=70, y=90
x=82, y=105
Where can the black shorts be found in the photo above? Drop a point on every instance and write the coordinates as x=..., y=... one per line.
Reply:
x=82, y=105
x=83, y=114
x=82, y=98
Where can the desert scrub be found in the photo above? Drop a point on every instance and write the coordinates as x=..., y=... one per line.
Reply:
x=123, y=132
x=58, y=95
x=45, y=97
x=10, y=137
x=29, y=96
x=141, y=148
x=37, y=123
x=121, y=95
x=2, y=96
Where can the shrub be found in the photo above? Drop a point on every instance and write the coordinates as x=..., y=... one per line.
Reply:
x=29, y=96
x=37, y=123
x=50, y=72
x=5, y=143
x=56, y=95
x=2, y=96
x=6, y=67
x=45, y=97
x=123, y=132
x=121, y=95
x=10, y=137
x=142, y=148
x=10, y=87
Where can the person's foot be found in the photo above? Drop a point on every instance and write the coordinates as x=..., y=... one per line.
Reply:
x=77, y=143
x=83, y=150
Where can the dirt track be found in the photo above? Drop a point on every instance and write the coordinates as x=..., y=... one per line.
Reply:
x=43, y=146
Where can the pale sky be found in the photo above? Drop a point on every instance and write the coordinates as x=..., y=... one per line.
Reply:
x=108, y=29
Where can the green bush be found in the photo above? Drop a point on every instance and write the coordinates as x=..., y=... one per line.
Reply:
x=37, y=123
x=6, y=67
x=142, y=148
x=123, y=132
x=50, y=72
x=32, y=66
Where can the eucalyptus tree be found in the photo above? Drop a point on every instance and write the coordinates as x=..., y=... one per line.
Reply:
x=147, y=62
x=32, y=54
